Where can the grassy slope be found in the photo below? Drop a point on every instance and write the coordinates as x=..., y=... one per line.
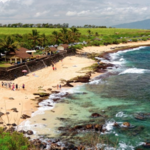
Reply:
x=48, y=31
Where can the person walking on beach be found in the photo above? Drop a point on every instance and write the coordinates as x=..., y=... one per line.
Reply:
x=53, y=68
x=16, y=86
x=2, y=84
x=57, y=86
x=60, y=86
x=9, y=86
x=13, y=87
x=23, y=86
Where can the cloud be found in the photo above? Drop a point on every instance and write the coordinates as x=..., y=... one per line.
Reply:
x=71, y=13
x=98, y=12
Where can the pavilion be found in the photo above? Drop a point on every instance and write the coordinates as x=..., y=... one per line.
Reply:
x=20, y=55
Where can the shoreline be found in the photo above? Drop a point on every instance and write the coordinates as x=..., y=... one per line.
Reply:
x=31, y=106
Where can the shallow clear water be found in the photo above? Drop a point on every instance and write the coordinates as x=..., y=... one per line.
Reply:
x=122, y=94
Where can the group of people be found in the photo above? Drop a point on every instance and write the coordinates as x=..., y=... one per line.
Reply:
x=58, y=86
x=12, y=86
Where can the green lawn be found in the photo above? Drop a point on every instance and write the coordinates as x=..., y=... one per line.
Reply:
x=4, y=64
x=48, y=31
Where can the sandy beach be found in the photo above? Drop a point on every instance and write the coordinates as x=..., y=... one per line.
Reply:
x=46, y=78
x=101, y=49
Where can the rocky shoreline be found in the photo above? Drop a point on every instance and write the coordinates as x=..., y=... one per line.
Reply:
x=94, y=125
x=66, y=131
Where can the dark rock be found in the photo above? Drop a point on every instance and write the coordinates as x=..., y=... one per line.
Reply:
x=14, y=124
x=24, y=116
x=11, y=98
x=44, y=119
x=55, y=92
x=126, y=124
x=49, y=89
x=98, y=127
x=146, y=145
x=29, y=132
x=139, y=117
x=56, y=99
x=8, y=124
x=83, y=79
x=50, y=105
x=84, y=93
x=96, y=115
x=78, y=127
x=22, y=131
x=116, y=124
x=1, y=114
x=55, y=146
x=41, y=94
x=11, y=129
x=88, y=127
x=44, y=94
x=14, y=109
x=1, y=122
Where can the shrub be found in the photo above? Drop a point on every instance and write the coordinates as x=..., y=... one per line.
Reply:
x=13, y=141
x=144, y=39
x=77, y=46
x=134, y=40
x=95, y=43
x=116, y=42
x=124, y=41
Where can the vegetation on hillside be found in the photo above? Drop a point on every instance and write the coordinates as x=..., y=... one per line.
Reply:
x=11, y=38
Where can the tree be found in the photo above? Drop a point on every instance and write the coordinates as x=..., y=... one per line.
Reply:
x=55, y=36
x=8, y=45
x=89, y=32
x=64, y=30
x=96, y=34
x=34, y=37
x=74, y=30
x=43, y=39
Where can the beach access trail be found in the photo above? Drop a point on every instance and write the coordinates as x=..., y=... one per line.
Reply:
x=70, y=67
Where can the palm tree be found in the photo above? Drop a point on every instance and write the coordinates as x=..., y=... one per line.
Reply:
x=56, y=37
x=89, y=32
x=96, y=34
x=34, y=36
x=8, y=45
x=43, y=39
x=64, y=30
x=74, y=30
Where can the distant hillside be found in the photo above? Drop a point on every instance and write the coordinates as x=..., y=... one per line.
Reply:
x=144, y=24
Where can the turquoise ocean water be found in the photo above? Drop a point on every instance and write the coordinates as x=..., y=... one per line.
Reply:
x=119, y=95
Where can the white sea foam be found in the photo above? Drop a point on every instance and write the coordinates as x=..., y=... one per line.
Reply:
x=115, y=56
x=109, y=125
x=134, y=70
x=96, y=82
x=104, y=146
x=121, y=114
x=124, y=146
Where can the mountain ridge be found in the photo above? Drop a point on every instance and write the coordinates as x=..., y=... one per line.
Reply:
x=144, y=24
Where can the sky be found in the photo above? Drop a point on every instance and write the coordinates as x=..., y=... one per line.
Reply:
x=74, y=12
